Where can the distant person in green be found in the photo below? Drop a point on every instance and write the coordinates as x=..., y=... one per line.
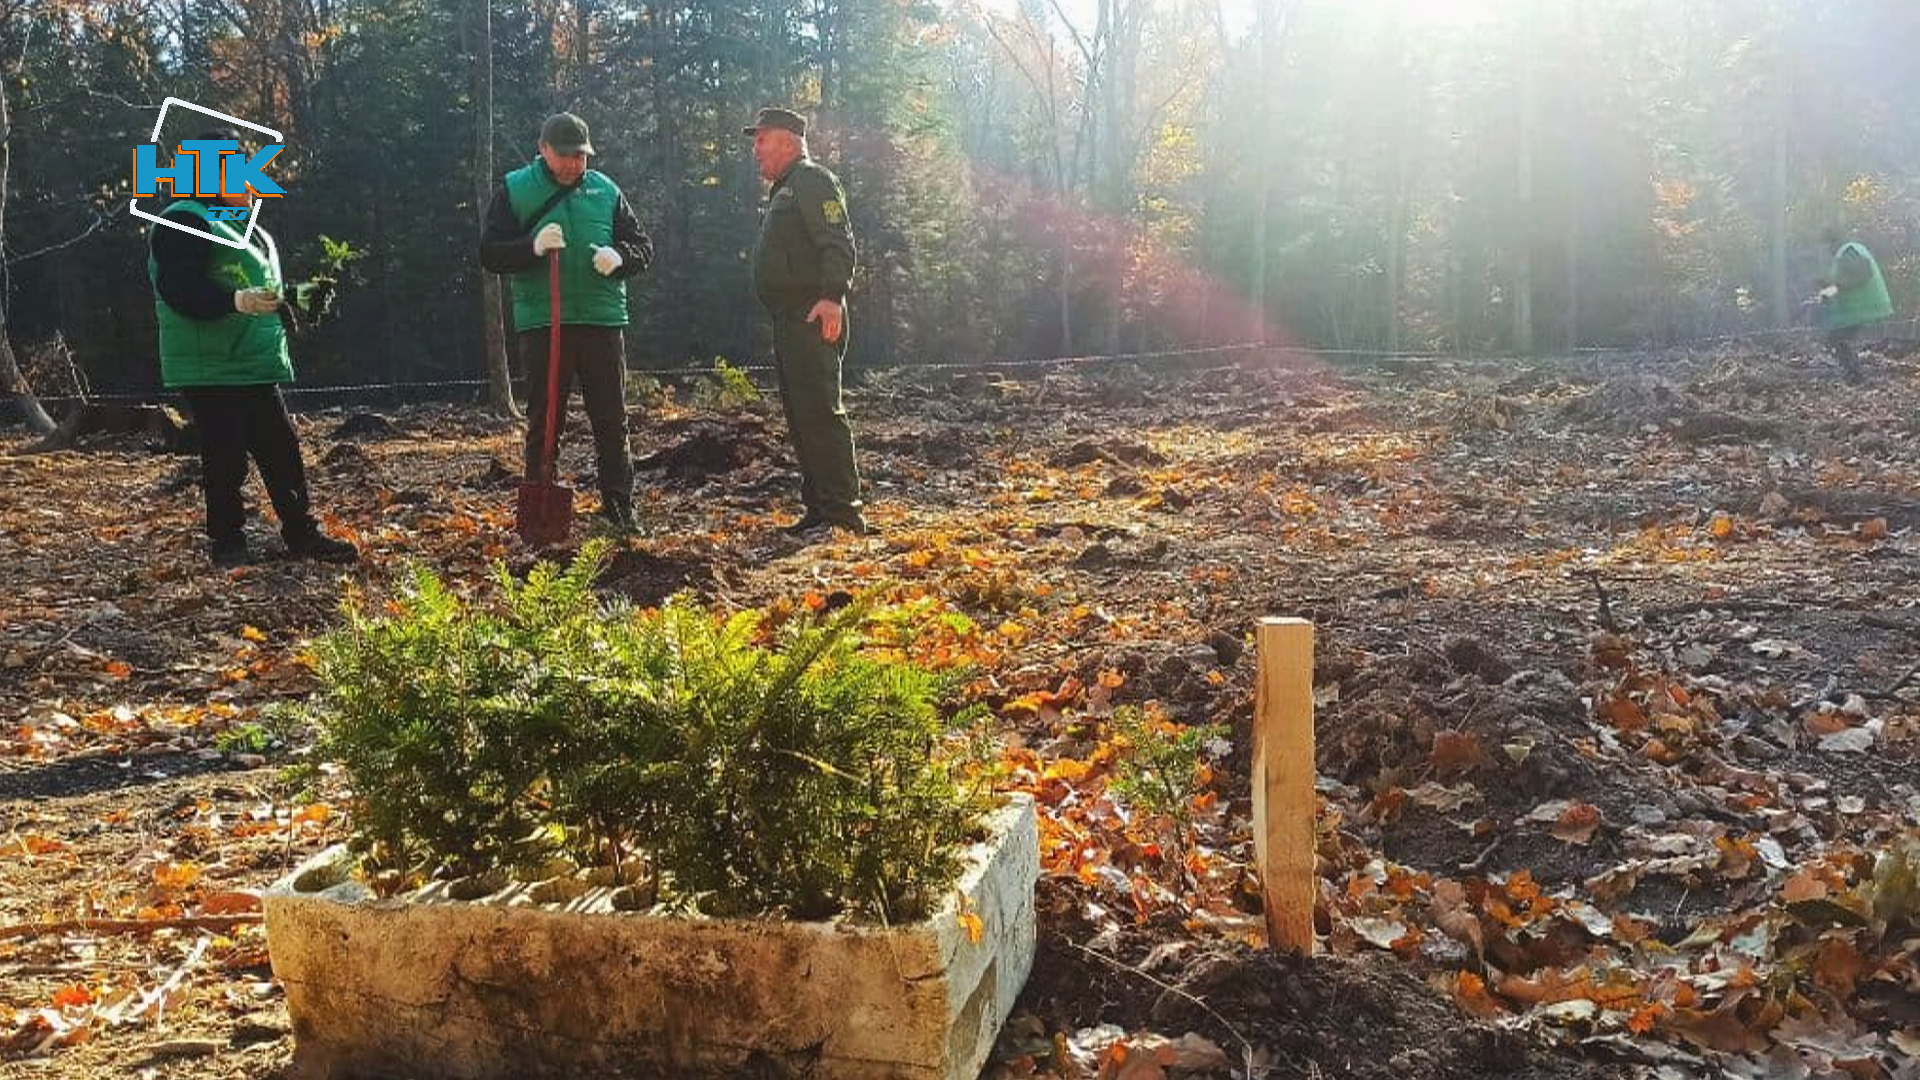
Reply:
x=803, y=264
x=556, y=204
x=1853, y=296
x=223, y=346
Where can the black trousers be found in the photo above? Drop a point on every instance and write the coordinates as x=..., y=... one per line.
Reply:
x=241, y=422
x=1841, y=340
x=596, y=358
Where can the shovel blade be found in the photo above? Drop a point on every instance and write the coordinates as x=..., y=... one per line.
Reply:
x=543, y=512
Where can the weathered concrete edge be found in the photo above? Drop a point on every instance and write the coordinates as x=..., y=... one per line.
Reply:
x=939, y=976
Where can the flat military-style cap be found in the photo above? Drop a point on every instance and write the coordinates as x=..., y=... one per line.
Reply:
x=784, y=119
x=566, y=133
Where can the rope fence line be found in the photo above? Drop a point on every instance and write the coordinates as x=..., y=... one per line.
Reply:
x=701, y=372
x=997, y=364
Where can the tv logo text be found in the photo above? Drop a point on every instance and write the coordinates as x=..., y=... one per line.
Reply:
x=210, y=170
x=207, y=168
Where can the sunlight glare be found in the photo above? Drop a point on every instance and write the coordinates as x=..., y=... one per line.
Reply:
x=1441, y=12
x=1238, y=15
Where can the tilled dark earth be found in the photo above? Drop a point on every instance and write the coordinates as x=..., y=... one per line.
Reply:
x=1613, y=655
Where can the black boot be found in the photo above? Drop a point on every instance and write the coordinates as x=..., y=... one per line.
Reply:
x=230, y=551
x=814, y=527
x=617, y=509
x=811, y=521
x=311, y=543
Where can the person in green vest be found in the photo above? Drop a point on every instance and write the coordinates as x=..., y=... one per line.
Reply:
x=556, y=205
x=803, y=262
x=223, y=346
x=1853, y=297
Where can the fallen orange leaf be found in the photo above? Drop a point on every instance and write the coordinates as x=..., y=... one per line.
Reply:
x=1805, y=885
x=176, y=876
x=1578, y=824
x=1645, y=1017
x=970, y=920
x=230, y=903
x=1838, y=966
x=1456, y=752
x=30, y=844
x=1625, y=713
x=1470, y=993
x=1721, y=1029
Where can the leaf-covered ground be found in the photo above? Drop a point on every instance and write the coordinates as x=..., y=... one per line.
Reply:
x=1616, y=684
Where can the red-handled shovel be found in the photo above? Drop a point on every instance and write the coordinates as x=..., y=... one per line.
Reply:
x=543, y=514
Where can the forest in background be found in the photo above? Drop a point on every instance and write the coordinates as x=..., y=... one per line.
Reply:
x=1026, y=177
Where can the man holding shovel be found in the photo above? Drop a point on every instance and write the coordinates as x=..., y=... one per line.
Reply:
x=555, y=208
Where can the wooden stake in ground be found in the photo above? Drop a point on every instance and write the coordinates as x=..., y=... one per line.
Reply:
x=1283, y=788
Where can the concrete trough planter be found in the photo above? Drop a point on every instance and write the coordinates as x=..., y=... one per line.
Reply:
x=428, y=988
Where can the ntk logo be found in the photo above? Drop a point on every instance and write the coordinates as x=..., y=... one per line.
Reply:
x=207, y=169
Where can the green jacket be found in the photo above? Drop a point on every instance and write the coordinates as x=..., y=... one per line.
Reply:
x=1863, y=296
x=236, y=349
x=586, y=216
x=805, y=250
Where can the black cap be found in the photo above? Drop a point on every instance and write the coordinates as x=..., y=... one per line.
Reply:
x=784, y=119
x=566, y=133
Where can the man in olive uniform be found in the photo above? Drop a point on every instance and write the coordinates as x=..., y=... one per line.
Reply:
x=556, y=204
x=223, y=346
x=1853, y=297
x=803, y=266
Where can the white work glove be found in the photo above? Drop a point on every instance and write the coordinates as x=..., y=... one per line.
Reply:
x=606, y=260
x=259, y=301
x=549, y=238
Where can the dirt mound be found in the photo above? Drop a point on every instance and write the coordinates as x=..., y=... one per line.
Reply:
x=1362, y=1019
x=1111, y=451
x=648, y=579
x=365, y=425
x=708, y=448
x=939, y=448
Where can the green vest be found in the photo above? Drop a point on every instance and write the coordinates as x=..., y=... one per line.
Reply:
x=235, y=349
x=586, y=216
x=1865, y=303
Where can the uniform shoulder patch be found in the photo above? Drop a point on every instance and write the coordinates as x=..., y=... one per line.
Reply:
x=833, y=211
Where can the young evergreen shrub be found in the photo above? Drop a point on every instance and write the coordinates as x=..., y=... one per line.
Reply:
x=1158, y=768
x=756, y=769
x=449, y=716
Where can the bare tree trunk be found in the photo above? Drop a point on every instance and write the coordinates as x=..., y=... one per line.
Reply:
x=10, y=378
x=1264, y=32
x=476, y=26
x=1401, y=196
x=13, y=383
x=1397, y=249
x=1523, y=270
x=1777, y=205
x=832, y=26
x=1271, y=19
x=1066, y=302
x=1576, y=203
x=1573, y=284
